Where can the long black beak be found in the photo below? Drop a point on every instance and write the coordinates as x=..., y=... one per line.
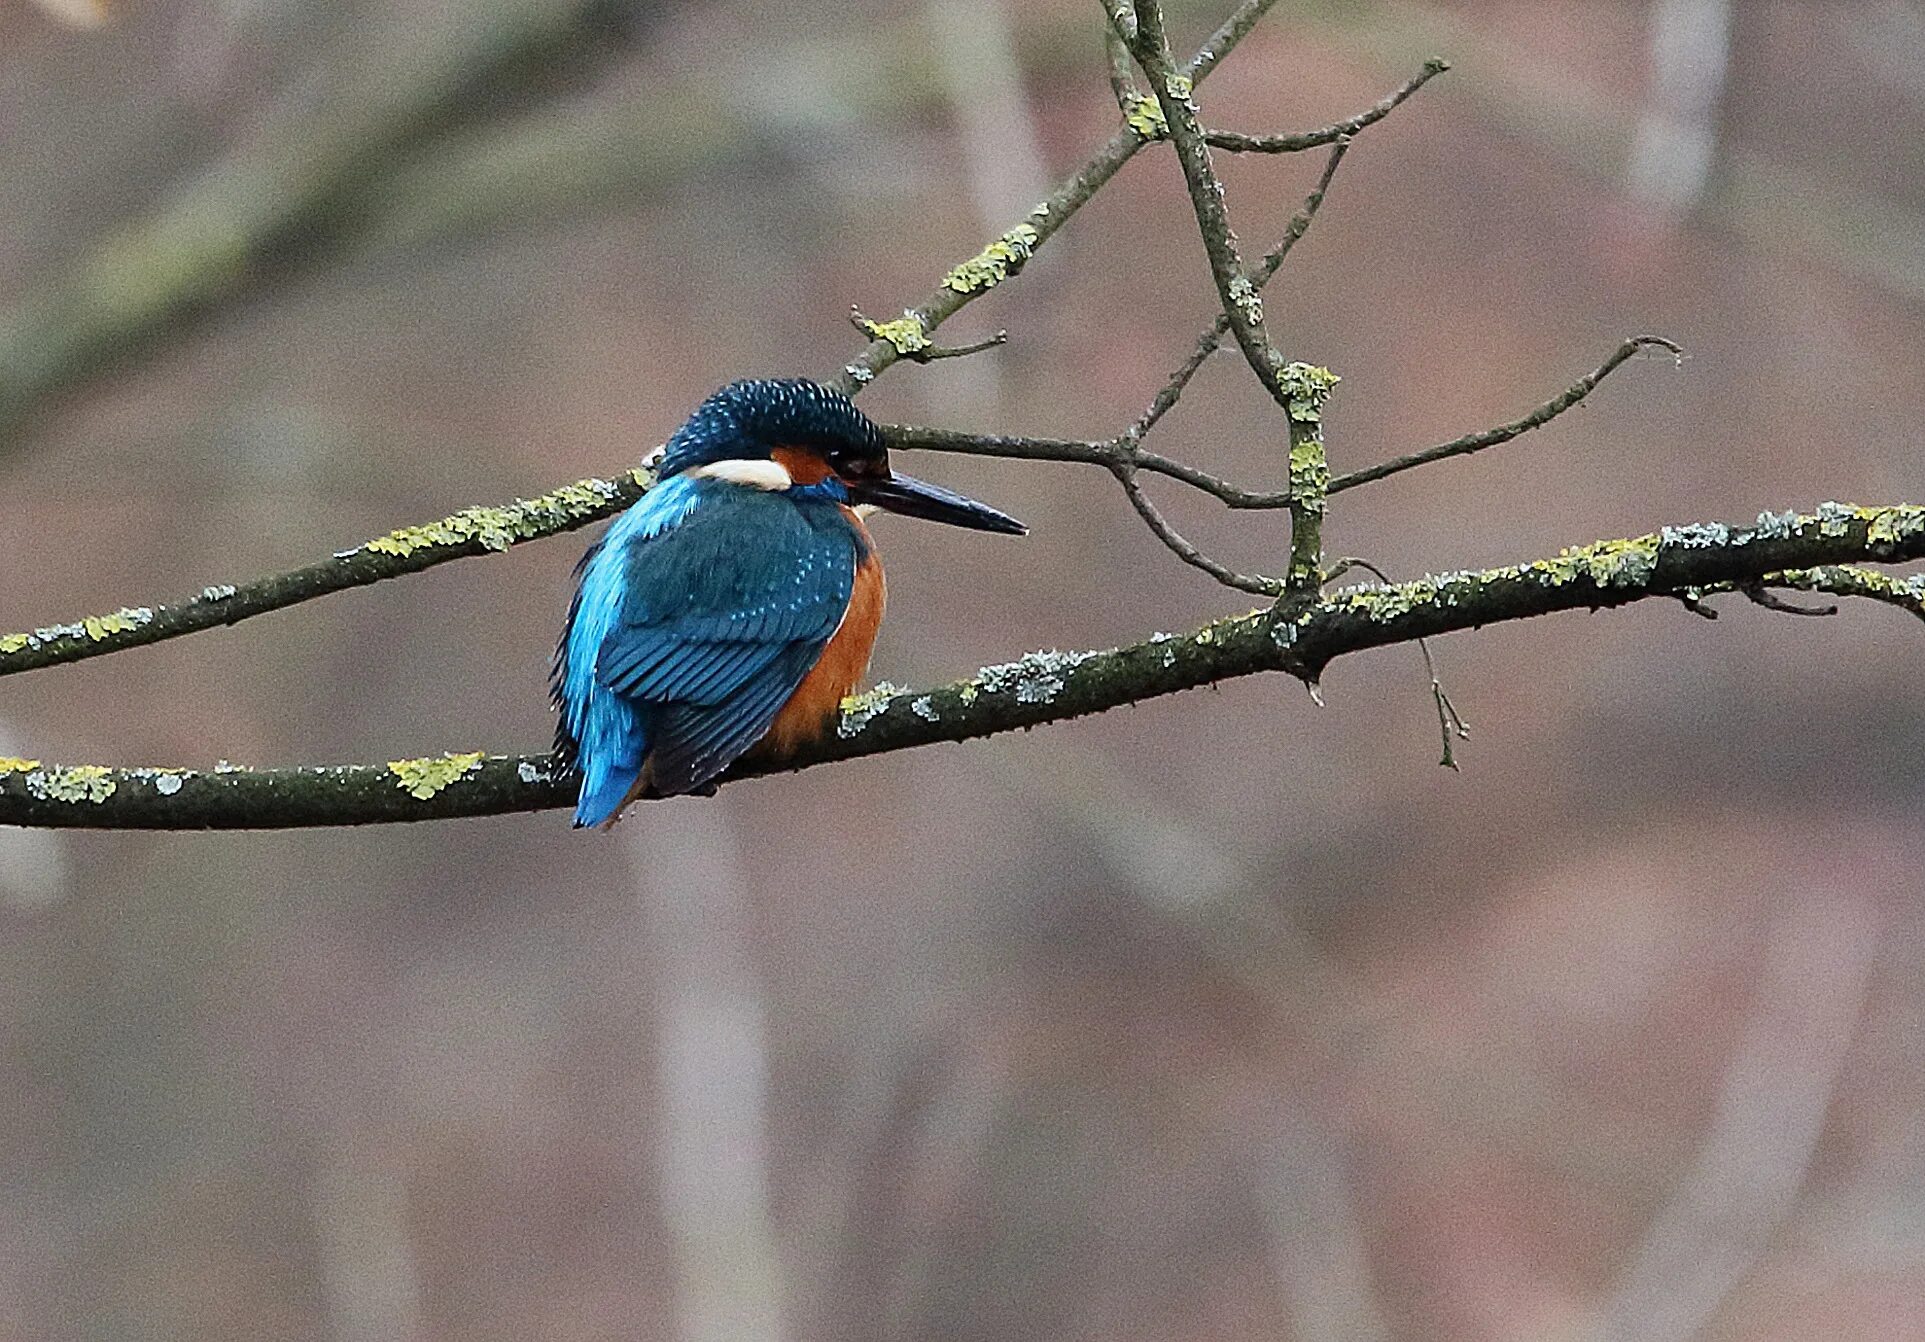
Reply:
x=918, y=498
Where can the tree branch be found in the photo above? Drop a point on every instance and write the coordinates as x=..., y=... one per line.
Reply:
x=1298, y=389
x=1299, y=639
x=1294, y=144
x=481, y=529
x=1008, y=253
x=1503, y=433
x=472, y=531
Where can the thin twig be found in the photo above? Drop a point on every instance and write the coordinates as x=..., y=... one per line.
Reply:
x=1450, y=723
x=1234, y=143
x=1503, y=433
x=1254, y=583
x=906, y=334
x=1692, y=600
x=1211, y=340
x=1084, y=452
x=1755, y=593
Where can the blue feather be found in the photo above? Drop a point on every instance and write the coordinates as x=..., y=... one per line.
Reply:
x=695, y=619
x=601, y=731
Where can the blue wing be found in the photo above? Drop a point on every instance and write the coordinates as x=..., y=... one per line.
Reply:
x=691, y=629
x=723, y=616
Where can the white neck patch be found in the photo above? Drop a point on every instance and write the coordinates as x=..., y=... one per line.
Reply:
x=760, y=472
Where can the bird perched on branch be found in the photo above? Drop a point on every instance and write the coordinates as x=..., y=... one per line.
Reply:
x=737, y=602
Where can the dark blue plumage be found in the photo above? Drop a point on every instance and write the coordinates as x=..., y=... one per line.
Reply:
x=707, y=606
x=745, y=419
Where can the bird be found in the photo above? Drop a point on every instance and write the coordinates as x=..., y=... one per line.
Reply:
x=734, y=606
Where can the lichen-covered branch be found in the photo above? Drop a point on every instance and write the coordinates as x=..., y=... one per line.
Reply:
x=1173, y=89
x=1008, y=253
x=1906, y=593
x=1822, y=547
x=1241, y=304
x=482, y=529
x=472, y=531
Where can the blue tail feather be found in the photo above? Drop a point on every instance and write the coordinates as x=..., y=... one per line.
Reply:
x=606, y=783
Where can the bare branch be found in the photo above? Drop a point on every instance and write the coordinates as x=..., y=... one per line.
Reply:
x=1292, y=144
x=1109, y=454
x=1756, y=594
x=1255, y=584
x=1299, y=639
x=1503, y=433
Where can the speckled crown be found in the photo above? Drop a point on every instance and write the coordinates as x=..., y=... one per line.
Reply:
x=749, y=417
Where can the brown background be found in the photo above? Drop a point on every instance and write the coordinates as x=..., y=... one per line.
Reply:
x=1222, y=1017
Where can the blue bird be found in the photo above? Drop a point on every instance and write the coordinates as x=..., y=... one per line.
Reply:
x=737, y=602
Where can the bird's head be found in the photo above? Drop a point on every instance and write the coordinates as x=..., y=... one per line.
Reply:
x=781, y=433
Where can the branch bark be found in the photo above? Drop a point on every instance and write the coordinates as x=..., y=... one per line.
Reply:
x=1298, y=638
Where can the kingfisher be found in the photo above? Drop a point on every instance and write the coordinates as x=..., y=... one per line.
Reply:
x=735, y=605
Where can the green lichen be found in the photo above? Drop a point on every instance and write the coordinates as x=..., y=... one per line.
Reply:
x=1179, y=87
x=120, y=622
x=1309, y=473
x=13, y=764
x=1612, y=563
x=422, y=778
x=95, y=628
x=858, y=709
x=906, y=333
x=1145, y=117
x=497, y=528
x=1308, y=387
x=81, y=783
x=1888, y=526
x=994, y=263
x=1835, y=519
x=1243, y=292
x=1852, y=580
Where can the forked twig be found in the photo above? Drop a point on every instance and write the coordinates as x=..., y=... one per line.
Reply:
x=1450, y=723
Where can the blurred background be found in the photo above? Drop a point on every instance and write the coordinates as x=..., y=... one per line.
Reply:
x=1222, y=1017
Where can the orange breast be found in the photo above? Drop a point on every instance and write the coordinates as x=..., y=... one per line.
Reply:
x=841, y=668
